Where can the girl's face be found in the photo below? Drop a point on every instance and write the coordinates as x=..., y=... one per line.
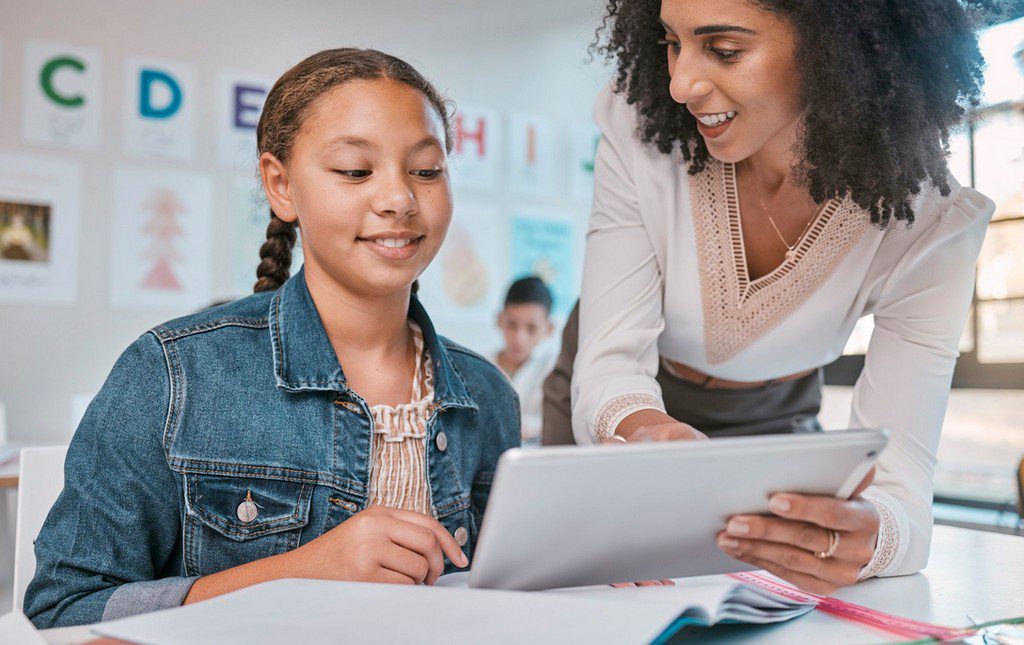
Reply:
x=733, y=65
x=367, y=180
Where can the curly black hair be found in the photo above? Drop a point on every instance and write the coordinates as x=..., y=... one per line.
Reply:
x=883, y=83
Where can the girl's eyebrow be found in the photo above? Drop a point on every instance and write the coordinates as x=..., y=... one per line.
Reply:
x=366, y=144
x=712, y=29
x=345, y=140
x=427, y=142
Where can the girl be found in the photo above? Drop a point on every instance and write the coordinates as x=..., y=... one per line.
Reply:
x=760, y=166
x=319, y=428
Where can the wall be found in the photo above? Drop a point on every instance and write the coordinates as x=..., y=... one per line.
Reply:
x=524, y=56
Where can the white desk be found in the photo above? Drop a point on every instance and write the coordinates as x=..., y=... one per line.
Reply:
x=971, y=572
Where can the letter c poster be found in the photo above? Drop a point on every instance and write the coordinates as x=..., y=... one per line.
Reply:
x=61, y=95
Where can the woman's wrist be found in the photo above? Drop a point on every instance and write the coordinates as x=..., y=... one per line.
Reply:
x=639, y=419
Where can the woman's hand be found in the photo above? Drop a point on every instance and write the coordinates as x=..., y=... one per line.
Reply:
x=785, y=544
x=654, y=425
x=380, y=545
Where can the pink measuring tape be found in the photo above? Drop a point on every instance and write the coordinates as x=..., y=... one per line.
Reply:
x=905, y=627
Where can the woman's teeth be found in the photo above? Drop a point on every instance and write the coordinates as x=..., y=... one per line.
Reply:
x=715, y=119
x=393, y=244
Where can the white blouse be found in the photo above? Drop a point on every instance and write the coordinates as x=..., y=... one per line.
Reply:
x=665, y=274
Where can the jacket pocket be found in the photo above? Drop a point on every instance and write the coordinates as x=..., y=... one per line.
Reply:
x=234, y=520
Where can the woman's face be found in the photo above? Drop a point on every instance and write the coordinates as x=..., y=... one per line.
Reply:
x=733, y=66
x=367, y=180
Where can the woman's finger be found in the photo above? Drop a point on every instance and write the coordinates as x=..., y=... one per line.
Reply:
x=832, y=513
x=803, y=581
x=864, y=482
x=804, y=535
x=833, y=571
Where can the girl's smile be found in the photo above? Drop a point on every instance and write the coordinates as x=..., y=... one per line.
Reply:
x=393, y=245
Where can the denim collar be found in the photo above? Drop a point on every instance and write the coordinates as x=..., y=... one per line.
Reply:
x=305, y=360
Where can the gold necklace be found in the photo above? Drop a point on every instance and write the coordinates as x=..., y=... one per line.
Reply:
x=790, y=248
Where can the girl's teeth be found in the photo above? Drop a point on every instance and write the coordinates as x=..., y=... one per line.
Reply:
x=393, y=244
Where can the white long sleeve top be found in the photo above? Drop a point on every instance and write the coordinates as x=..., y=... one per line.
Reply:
x=665, y=274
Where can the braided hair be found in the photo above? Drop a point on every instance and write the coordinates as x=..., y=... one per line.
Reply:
x=286, y=107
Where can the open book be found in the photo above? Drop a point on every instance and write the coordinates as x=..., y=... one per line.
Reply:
x=319, y=611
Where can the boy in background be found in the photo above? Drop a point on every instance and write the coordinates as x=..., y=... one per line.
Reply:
x=525, y=323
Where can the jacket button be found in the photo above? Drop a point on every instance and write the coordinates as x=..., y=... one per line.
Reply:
x=441, y=441
x=247, y=511
x=461, y=535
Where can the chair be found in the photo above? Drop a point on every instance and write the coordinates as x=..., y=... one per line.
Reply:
x=40, y=482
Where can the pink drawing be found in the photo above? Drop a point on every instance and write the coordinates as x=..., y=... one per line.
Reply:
x=162, y=228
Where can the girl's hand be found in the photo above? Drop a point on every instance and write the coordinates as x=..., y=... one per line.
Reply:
x=785, y=544
x=379, y=545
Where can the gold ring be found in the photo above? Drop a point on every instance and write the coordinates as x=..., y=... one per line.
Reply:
x=833, y=546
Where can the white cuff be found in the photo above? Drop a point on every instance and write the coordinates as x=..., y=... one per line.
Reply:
x=888, y=543
x=611, y=414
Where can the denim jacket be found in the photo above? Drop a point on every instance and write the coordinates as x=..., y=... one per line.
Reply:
x=245, y=399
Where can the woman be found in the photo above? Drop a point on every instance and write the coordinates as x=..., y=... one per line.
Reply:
x=769, y=172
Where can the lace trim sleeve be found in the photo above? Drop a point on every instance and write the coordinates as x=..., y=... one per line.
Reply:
x=615, y=410
x=888, y=542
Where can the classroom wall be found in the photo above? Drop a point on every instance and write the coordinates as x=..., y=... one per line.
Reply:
x=527, y=56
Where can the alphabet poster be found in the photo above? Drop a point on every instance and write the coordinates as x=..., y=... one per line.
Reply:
x=39, y=217
x=476, y=150
x=61, y=95
x=160, y=240
x=466, y=280
x=159, y=109
x=533, y=166
x=544, y=244
x=583, y=139
x=250, y=215
x=241, y=103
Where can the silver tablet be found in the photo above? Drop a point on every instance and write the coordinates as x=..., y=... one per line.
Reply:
x=568, y=516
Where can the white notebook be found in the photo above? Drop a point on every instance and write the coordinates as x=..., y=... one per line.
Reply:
x=319, y=611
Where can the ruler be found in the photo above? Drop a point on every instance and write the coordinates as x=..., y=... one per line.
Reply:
x=905, y=627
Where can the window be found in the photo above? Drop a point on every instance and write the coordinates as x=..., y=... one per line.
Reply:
x=983, y=435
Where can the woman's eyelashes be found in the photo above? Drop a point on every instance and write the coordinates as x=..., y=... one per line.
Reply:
x=721, y=53
x=670, y=43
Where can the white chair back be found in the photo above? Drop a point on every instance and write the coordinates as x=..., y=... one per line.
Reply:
x=40, y=482
x=3, y=424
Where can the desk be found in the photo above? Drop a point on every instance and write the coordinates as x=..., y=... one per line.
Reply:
x=971, y=572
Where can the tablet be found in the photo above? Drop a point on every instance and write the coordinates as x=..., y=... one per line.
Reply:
x=567, y=516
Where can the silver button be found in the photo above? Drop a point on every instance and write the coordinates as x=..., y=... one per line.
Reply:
x=461, y=535
x=247, y=510
x=441, y=441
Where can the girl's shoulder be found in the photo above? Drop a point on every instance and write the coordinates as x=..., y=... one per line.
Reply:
x=474, y=366
x=251, y=311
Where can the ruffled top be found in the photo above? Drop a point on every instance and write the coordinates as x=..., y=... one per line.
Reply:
x=398, y=473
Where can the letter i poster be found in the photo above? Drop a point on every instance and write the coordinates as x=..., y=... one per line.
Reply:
x=159, y=109
x=160, y=240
